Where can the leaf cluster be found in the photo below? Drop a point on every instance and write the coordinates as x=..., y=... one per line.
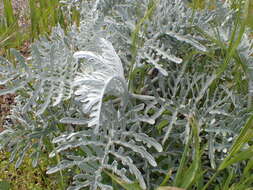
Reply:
x=145, y=95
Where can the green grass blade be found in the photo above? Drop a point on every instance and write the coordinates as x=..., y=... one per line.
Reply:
x=182, y=165
x=192, y=172
x=244, y=155
x=186, y=177
x=125, y=185
x=166, y=179
x=8, y=12
x=248, y=168
x=245, y=135
x=169, y=188
x=134, y=36
x=225, y=186
x=234, y=42
x=34, y=18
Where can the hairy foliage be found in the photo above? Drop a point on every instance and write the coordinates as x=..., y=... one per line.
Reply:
x=123, y=95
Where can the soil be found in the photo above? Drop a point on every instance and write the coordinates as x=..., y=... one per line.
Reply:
x=20, y=10
x=5, y=103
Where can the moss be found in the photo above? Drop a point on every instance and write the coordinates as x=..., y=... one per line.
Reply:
x=26, y=177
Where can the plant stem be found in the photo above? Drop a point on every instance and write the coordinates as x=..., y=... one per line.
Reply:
x=135, y=37
x=58, y=161
x=211, y=180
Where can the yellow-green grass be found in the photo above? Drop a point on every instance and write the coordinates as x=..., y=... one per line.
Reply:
x=26, y=177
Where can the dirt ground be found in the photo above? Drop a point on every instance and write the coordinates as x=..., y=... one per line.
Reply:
x=20, y=10
x=5, y=103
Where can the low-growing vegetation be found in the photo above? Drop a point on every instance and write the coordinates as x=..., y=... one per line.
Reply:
x=148, y=94
x=26, y=177
x=23, y=21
